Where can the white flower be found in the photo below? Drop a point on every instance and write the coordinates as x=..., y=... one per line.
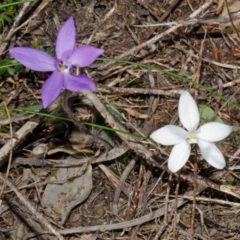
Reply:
x=204, y=136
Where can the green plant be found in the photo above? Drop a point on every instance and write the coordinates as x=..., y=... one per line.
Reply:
x=7, y=12
x=9, y=66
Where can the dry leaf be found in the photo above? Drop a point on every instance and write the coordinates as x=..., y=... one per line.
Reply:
x=136, y=114
x=233, y=6
x=72, y=187
x=220, y=4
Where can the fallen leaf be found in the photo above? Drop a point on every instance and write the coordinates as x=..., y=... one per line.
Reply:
x=136, y=114
x=233, y=6
x=72, y=187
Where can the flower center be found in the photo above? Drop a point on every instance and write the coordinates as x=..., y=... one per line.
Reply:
x=191, y=138
x=64, y=67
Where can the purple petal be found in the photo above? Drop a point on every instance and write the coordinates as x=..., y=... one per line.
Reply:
x=83, y=56
x=52, y=88
x=66, y=39
x=78, y=83
x=33, y=58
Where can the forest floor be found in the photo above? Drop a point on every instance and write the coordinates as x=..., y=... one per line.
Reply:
x=111, y=181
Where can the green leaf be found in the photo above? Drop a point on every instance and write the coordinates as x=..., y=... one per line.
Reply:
x=53, y=173
x=10, y=71
x=7, y=19
x=104, y=134
x=112, y=108
x=33, y=108
x=206, y=114
x=236, y=138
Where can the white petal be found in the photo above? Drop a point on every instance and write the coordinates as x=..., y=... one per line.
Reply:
x=188, y=112
x=212, y=154
x=169, y=135
x=213, y=131
x=179, y=156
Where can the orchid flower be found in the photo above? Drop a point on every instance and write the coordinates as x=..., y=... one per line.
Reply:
x=62, y=67
x=204, y=136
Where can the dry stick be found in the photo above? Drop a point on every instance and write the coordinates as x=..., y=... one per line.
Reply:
x=139, y=197
x=142, y=202
x=223, y=65
x=137, y=191
x=167, y=198
x=166, y=221
x=163, y=226
x=18, y=136
x=11, y=147
x=231, y=98
x=100, y=24
x=166, y=218
x=41, y=6
x=175, y=207
x=228, y=84
x=169, y=93
x=135, y=222
x=199, y=66
x=157, y=182
x=163, y=17
x=211, y=200
x=12, y=30
x=73, y=162
x=18, y=18
x=16, y=118
x=151, y=98
x=158, y=37
x=194, y=21
x=123, y=178
x=194, y=195
x=39, y=216
x=231, y=19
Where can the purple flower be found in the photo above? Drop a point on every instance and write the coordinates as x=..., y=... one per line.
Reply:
x=61, y=69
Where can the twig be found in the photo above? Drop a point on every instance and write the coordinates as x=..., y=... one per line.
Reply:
x=145, y=91
x=118, y=190
x=231, y=19
x=148, y=217
x=71, y=162
x=156, y=183
x=39, y=216
x=18, y=136
x=223, y=65
x=12, y=30
x=158, y=37
x=100, y=24
x=142, y=202
x=11, y=148
x=175, y=207
x=199, y=66
x=163, y=17
x=194, y=195
x=217, y=201
x=195, y=21
x=167, y=197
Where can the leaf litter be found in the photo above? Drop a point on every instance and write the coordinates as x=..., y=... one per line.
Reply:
x=86, y=191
